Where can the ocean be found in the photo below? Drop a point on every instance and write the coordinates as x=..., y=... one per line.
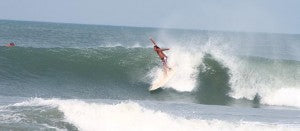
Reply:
x=63, y=76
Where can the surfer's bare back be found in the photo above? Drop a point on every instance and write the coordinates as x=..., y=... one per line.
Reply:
x=161, y=54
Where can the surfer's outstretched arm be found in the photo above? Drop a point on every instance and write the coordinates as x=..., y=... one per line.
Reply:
x=164, y=49
x=153, y=41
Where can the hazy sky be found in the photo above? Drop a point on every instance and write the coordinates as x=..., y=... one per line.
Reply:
x=280, y=16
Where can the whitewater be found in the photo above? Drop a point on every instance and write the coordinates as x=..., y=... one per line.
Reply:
x=89, y=77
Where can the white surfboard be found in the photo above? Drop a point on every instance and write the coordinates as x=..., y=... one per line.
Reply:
x=162, y=79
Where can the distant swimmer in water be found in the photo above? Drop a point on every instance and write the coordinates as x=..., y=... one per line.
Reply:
x=161, y=54
x=10, y=44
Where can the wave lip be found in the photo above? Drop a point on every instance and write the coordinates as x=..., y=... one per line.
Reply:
x=273, y=81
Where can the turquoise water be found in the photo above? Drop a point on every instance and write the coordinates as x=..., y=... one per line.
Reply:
x=60, y=75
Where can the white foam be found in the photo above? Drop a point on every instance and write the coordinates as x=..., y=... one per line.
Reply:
x=283, y=97
x=273, y=83
x=131, y=116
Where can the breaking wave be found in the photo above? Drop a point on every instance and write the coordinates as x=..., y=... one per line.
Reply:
x=208, y=74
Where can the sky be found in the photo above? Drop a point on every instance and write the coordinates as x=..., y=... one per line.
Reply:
x=274, y=16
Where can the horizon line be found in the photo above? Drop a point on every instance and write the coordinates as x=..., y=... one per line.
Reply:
x=153, y=27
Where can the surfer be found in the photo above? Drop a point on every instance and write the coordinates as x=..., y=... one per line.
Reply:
x=161, y=54
x=10, y=44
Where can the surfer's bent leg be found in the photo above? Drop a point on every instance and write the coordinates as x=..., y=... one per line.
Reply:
x=164, y=61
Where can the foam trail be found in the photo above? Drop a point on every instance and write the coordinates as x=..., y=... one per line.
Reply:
x=131, y=116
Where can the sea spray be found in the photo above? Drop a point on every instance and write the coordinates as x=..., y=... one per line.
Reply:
x=272, y=80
